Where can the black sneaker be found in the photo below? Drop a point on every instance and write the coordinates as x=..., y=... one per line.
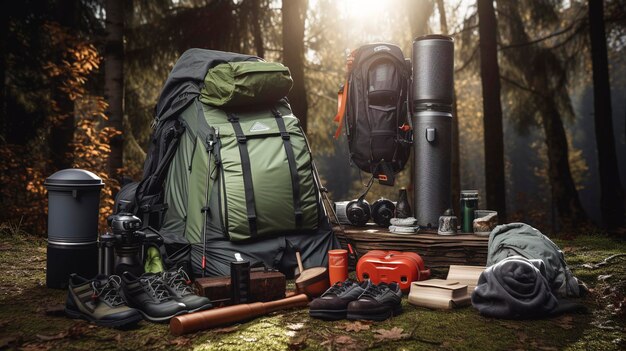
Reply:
x=179, y=286
x=377, y=303
x=149, y=295
x=99, y=300
x=333, y=304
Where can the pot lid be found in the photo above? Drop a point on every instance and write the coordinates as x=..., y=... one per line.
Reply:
x=73, y=177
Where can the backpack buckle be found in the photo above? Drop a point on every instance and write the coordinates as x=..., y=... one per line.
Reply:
x=284, y=135
x=241, y=139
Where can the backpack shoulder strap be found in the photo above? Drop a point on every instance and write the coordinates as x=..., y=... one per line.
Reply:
x=165, y=141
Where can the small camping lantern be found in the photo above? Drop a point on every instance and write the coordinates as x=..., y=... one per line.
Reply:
x=73, y=208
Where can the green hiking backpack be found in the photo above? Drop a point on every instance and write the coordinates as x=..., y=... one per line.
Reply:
x=260, y=177
x=229, y=171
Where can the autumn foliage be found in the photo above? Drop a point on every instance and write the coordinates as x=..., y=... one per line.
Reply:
x=25, y=167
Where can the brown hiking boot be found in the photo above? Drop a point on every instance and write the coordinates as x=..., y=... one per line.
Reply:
x=99, y=300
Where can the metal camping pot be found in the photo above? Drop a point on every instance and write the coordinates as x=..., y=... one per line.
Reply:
x=73, y=209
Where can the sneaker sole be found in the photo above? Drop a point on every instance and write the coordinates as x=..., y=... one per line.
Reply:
x=375, y=317
x=201, y=308
x=330, y=315
x=103, y=323
x=161, y=319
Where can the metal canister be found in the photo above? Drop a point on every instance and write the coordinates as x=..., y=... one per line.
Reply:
x=468, y=204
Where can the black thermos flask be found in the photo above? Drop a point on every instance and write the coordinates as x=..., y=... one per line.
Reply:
x=433, y=91
x=240, y=281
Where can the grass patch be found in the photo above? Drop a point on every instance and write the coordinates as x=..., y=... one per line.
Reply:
x=26, y=322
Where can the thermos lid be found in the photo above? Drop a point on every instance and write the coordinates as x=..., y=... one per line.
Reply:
x=73, y=177
x=434, y=37
x=469, y=194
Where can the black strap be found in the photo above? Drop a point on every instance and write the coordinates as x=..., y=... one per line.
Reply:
x=293, y=168
x=247, y=173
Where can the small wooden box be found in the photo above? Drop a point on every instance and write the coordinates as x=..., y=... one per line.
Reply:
x=264, y=286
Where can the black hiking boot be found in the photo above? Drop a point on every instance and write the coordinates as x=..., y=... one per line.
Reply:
x=333, y=304
x=377, y=303
x=150, y=296
x=179, y=286
x=99, y=300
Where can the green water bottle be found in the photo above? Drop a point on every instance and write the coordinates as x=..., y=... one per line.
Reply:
x=469, y=203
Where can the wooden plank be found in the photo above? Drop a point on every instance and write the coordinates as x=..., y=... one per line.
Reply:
x=436, y=250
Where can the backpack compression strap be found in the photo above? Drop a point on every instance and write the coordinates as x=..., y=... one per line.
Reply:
x=247, y=173
x=293, y=168
x=342, y=96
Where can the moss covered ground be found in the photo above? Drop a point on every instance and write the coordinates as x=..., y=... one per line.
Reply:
x=31, y=317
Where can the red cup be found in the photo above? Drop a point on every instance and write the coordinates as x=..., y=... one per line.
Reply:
x=337, y=265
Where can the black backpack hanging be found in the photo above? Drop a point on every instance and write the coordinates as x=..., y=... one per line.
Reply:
x=374, y=103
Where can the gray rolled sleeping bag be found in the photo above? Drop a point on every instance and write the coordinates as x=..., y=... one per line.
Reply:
x=517, y=288
x=520, y=239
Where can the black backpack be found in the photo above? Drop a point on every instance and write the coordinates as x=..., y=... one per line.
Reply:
x=376, y=110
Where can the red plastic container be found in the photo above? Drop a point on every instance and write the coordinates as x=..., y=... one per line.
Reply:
x=392, y=266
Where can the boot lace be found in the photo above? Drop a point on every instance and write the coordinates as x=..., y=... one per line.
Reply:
x=110, y=292
x=374, y=291
x=179, y=281
x=339, y=288
x=156, y=287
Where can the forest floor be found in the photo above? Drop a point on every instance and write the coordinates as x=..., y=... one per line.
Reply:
x=31, y=316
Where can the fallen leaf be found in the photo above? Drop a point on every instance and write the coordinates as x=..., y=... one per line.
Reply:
x=295, y=326
x=297, y=343
x=566, y=322
x=59, y=336
x=521, y=336
x=354, y=326
x=180, y=341
x=394, y=333
x=344, y=340
x=118, y=338
x=55, y=310
x=226, y=329
x=603, y=277
x=149, y=340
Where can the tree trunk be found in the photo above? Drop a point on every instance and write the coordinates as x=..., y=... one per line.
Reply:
x=537, y=65
x=563, y=190
x=114, y=82
x=612, y=194
x=4, y=30
x=495, y=181
x=443, y=21
x=419, y=13
x=293, y=16
x=61, y=136
x=257, y=32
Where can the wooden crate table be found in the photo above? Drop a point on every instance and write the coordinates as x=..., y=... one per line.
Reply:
x=438, y=251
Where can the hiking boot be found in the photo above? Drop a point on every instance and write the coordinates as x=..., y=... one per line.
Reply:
x=333, y=304
x=377, y=303
x=178, y=284
x=99, y=300
x=150, y=296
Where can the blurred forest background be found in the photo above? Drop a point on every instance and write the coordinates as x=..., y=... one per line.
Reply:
x=540, y=92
